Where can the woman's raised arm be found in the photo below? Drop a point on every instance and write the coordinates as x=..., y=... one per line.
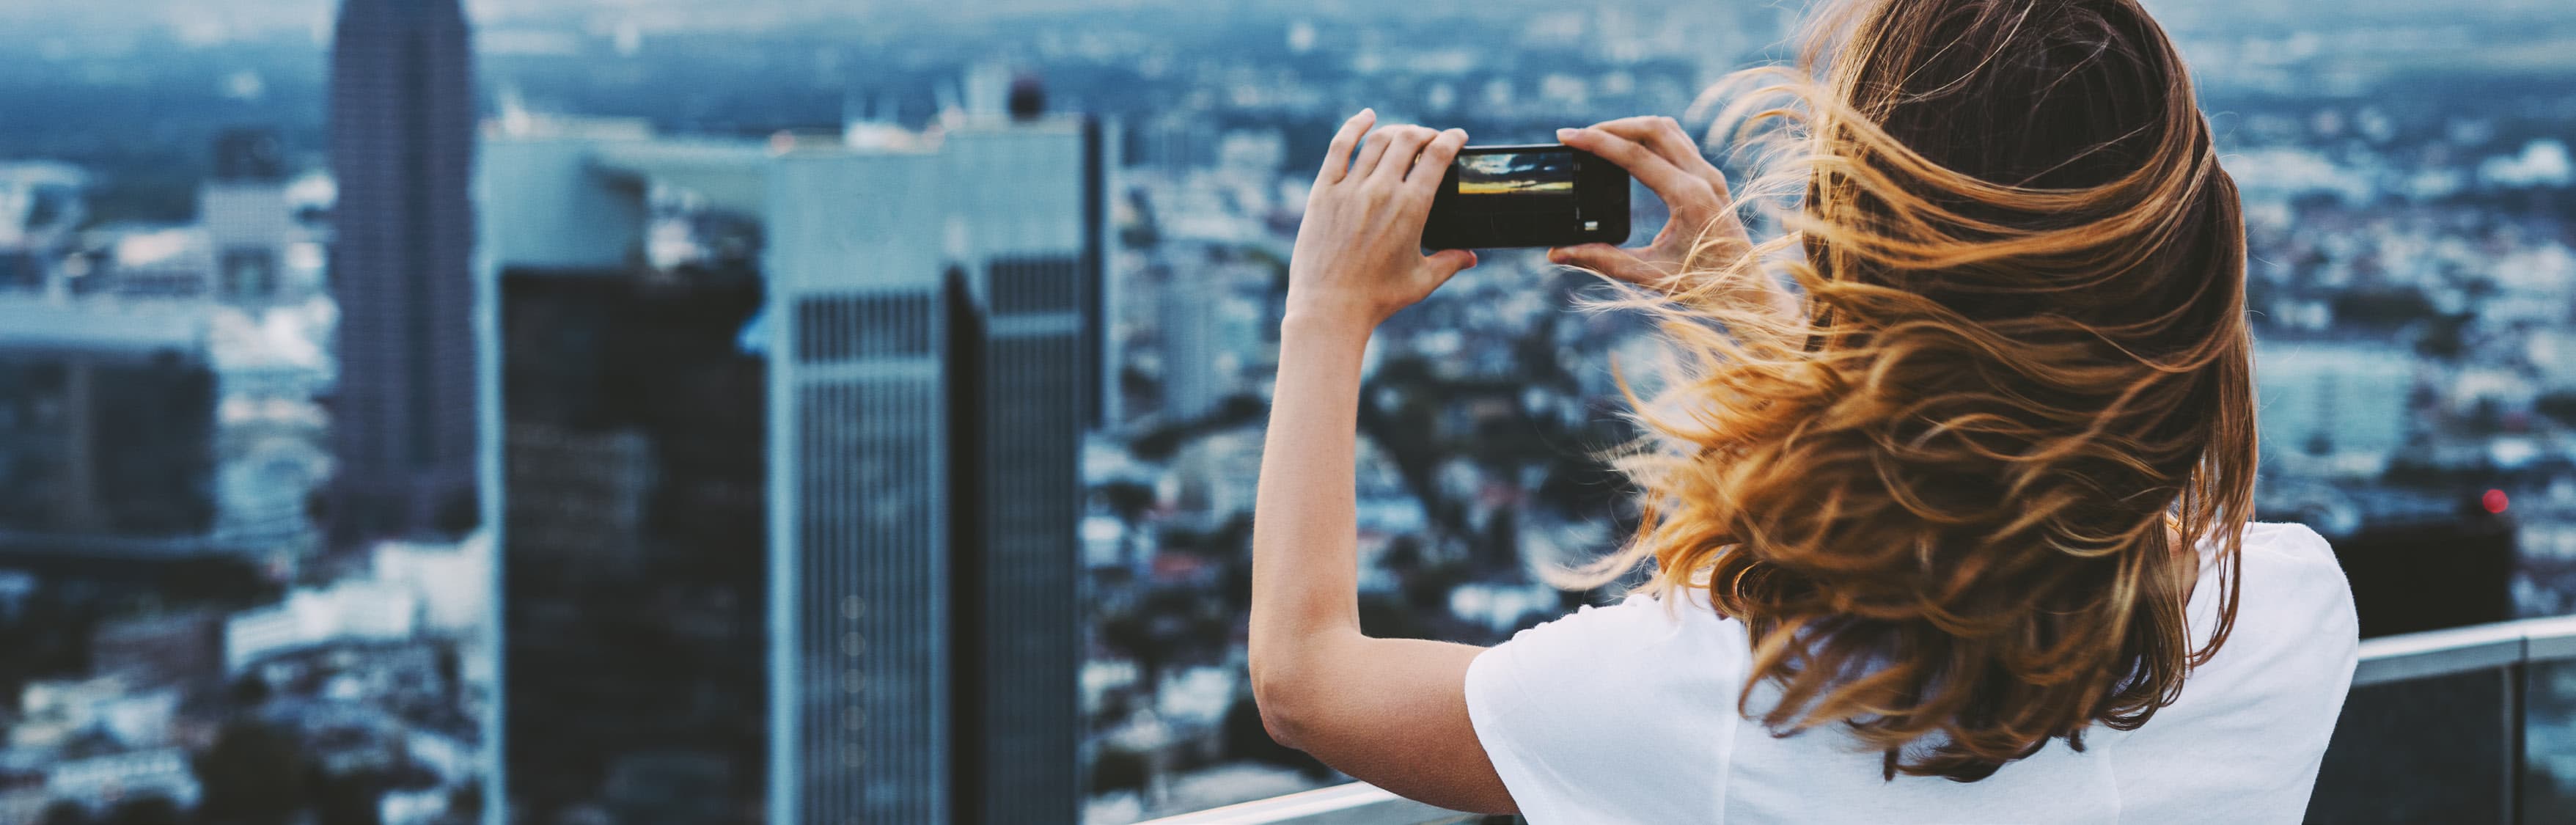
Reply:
x=1389, y=711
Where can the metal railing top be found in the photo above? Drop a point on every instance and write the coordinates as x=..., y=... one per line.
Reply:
x=2383, y=660
x=2464, y=649
x=1357, y=803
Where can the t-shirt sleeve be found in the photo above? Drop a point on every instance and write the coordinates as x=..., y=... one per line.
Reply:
x=1585, y=717
x=2255, y=720
x=2295, y=678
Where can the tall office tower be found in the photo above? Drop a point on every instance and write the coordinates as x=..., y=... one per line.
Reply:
x=919, y=353
x=402, y=148
x=247, y=218
x=633, y=451
x=925, y=414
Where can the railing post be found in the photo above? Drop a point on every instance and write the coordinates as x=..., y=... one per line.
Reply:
x=2517, y=682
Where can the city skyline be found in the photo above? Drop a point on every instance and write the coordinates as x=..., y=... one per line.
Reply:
x=860, y=405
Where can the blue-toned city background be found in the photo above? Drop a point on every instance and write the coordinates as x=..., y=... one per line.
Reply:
x=654, y=411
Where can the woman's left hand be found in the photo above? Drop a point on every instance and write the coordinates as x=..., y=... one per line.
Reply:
x=1359, y=252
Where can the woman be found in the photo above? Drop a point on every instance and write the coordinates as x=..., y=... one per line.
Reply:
x=1957, y=531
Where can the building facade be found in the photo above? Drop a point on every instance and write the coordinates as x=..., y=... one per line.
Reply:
x=108, y=428
x=402, y=150
x=248, y=220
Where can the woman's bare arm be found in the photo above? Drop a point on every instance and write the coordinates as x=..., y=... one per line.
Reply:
x=1388, y=711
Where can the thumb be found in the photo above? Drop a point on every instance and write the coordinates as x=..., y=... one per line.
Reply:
x=1607, y=260
x=1603, y=259
x=1447, y=262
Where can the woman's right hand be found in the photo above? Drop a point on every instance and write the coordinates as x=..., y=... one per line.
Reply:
x=1657, y=152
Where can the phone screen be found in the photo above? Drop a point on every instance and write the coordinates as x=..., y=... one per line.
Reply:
x=1536, y=195
x=1536, y=180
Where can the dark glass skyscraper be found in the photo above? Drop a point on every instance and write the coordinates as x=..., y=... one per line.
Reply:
x=402, y=147
x=635, y=524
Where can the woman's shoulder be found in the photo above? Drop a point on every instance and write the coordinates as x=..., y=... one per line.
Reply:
x=2288, y=543
x=2296, y=634
x=2288, y=568
x=1640, y=625
x=1637, y=648
x=1612, y=708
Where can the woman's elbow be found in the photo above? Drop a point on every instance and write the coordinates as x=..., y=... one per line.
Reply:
x=1281, y=726
x=1282, y=701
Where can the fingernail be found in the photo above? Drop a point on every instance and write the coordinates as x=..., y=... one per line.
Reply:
x=1562, y=134
x=1367, y=112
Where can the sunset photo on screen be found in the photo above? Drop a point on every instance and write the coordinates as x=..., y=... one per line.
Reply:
x=1517, y=173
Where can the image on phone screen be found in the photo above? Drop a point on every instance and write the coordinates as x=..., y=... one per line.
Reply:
x=1498, y=180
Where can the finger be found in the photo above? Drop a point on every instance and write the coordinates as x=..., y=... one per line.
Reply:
x=1371, y=149
x=1608, y=260
x=1433, y=166
x=1446, y=263
x=1400, y=153
x=1337, y=157
x=1665, y=137
x=1680, y=190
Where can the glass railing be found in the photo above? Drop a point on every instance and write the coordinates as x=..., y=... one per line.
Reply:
x=2469, y=725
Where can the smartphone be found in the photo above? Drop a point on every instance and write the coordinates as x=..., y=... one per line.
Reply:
x=1542, y=195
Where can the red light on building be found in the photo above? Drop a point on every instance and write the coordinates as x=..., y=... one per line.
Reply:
x=2494, y=501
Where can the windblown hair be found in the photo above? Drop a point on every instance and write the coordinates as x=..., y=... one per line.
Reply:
x=1957, y=500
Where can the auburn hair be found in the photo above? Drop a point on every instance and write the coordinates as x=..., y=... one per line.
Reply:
x=1957, y=500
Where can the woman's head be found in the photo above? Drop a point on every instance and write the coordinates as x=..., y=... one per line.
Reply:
x=1955, y=503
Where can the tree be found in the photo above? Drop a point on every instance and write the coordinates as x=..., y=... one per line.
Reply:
x=145, y=810
x=1128, y=499
x=2558, y=405
x=249, y=691
x=65, y=812
x=1118, y=768
x=254, y=775
x=349, y=799
x=465, y=804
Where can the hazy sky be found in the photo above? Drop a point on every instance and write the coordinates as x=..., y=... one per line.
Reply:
x=220, y=19
x=259, y=15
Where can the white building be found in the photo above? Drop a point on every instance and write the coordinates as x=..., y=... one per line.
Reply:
x=452, y=583
x=1192, y=383
x=52, y=712
x=40, y=207
x=261, y=253
x=352, y=611
x=2345, y=403
x=99, y=782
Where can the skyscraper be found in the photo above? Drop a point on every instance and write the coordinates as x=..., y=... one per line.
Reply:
x=921, y=351
x=402, y=148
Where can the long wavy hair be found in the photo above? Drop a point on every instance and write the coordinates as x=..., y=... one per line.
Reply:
x=1957, y=500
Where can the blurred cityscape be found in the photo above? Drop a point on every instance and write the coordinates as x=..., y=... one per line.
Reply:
x=649, y=412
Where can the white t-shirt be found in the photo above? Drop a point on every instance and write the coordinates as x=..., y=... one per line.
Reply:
x=1627, y=714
